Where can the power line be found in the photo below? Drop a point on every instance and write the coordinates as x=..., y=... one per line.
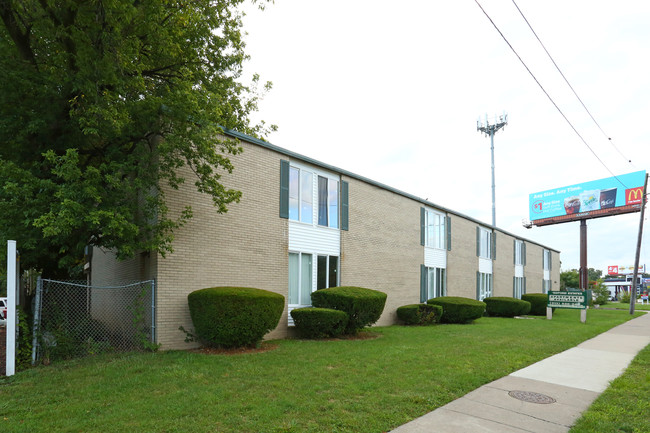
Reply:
x=569, y=84
x=546, y=93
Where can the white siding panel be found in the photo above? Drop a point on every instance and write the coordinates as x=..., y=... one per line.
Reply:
x=519, y=271
x=435, y=258
x=308, y=238
x=484, y=265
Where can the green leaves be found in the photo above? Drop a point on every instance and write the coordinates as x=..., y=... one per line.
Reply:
x=103, y=104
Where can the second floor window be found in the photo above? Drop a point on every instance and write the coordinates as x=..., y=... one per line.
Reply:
x=435, y=230
x=484, y=239
x=328, y=202
x=520, y=252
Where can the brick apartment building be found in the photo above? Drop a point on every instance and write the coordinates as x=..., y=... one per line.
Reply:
x=303, y=225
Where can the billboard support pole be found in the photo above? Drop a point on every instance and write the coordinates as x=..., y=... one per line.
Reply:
x=584, y=273
x=638, y=249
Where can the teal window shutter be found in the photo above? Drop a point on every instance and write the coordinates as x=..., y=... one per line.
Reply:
x=478, y=285
x=514, y=285
x=523, y=253
x=514, y=251
x=422, y=228
x=478, y=242
x=344, y=205
x=284, y=189
x=523, y=290
x=448, y=233
x=494, y=245
x=423, y=283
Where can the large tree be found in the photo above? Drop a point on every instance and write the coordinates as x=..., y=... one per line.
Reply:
x=101, y=102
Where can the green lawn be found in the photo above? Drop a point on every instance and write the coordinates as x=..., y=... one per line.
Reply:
x=625, y=405
x=368, y=385
x=621, y=306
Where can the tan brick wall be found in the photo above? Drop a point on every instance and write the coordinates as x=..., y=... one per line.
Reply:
x=504, y=265
x=462, y=262
x=106, y=270
x=247, y=246
x=382, y=249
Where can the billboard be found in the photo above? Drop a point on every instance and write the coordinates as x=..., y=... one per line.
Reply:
x=598, y=198
x=623, y=270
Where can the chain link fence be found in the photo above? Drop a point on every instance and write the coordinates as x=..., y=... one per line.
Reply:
x=73, y=319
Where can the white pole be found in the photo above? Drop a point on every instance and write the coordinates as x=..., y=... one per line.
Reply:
x=11, y=309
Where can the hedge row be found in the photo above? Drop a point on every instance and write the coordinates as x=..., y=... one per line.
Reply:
x=506, y=307
x=459, y=310
x=419, y=314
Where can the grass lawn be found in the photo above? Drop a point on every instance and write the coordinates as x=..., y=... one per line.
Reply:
x=621, y=306
x=625, y=405
x=370, y=385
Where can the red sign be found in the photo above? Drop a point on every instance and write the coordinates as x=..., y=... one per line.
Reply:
x=633, y=195
x=612, y=270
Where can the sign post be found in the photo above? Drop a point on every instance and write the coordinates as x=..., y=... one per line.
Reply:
x=569, y=300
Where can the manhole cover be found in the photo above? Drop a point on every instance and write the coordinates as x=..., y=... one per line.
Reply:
x=531, y=397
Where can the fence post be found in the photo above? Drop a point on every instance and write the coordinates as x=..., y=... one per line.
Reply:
x=153, y=311
x=37, y=319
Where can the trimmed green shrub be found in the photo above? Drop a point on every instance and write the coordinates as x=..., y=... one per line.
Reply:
x=234, y=316
x=419, y=314
x=538, y=303
x=363, y=306
x=319, y=322
x=459, y=310
x=506, y=307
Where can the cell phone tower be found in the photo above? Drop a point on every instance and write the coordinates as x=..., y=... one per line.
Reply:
x=489, y=129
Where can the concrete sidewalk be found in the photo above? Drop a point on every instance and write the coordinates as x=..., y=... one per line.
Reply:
x=545, y=397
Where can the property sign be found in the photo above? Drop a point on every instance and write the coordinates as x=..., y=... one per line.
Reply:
x=597, y=198
x=566, y=299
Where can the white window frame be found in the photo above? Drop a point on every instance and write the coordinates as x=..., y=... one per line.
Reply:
x=547, y=260
x=519, y=253
x=484, y=285
x=328, y=262
x=518, y=288
x=435, y=235
x=485, y=243
x=301, y=292
x=436, y=282
x=302, y=194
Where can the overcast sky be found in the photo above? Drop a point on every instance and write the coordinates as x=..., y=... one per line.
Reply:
x=392, y=91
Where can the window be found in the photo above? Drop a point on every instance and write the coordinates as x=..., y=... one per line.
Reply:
x=546, y=286
x=433, y=282
x=483, y=285
x=435, y=229
x=308, y=197
x=300, y=278
x=328, y=272
x=436, y=282
x=519, y=287
x=484, y=243
x=300, y=195
x=520, y=253
x=547, y=260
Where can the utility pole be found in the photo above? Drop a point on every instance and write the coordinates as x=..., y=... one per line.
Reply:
x=489, y=130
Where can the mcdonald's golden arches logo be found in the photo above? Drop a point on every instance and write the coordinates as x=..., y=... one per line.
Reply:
x=633, y=195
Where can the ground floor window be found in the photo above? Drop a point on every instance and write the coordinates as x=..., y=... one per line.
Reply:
x=436, y=282
x=518, y=287
x=300, y=278
x=301, y=275
x=546, y=286
x=328, y=272
x=483, y=285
